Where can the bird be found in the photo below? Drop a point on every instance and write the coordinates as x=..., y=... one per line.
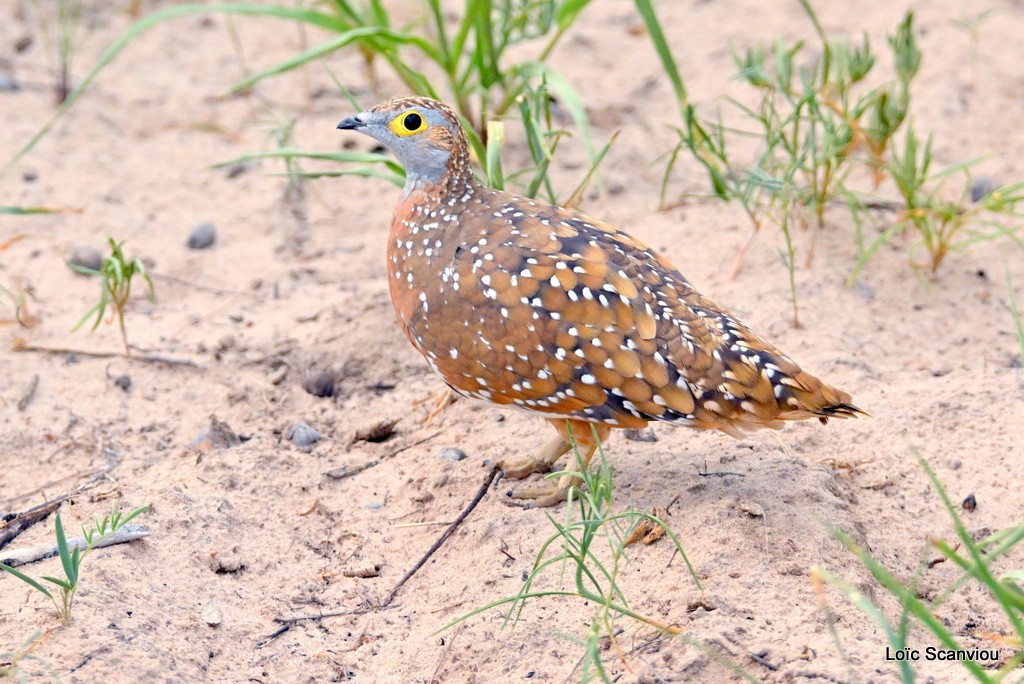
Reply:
x=533, y=306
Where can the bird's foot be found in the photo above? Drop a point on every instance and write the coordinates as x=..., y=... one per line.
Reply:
x=542, y=494
x=443, y=401
x=540, y=462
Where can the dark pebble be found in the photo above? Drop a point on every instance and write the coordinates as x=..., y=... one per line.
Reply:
x=969, y=503
x=321, y=384
x=981, y=188
x=30, y=176
x=302, y=435
x=8, y=84
x=202, y=236
x=124, y=382
x=634, y=435
x=453, y=453
x=86, y=257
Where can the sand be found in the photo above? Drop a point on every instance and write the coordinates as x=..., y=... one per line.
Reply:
x=294, y=287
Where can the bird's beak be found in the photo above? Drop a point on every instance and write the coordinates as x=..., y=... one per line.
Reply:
x=352, y=123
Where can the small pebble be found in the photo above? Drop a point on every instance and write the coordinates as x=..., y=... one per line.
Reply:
x=84, y=256
x=365, y=571
x=981, y=188
x=320, y=384
x=202, y=236
x=955, y=464
x=754, y=510
x=212, y=615
x=8, y=84
x=302, y=435
x=453, y=453
x=30, y=176
x=969, y=503
x=634, y=435
x=374, y=506
x=218, y=435
x=123, y=381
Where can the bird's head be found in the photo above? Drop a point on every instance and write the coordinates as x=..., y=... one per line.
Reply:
x=424, y=134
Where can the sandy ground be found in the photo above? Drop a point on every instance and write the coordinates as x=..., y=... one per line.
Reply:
x=295, y=286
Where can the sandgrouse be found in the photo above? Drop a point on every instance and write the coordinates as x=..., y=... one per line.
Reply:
x=541, y=308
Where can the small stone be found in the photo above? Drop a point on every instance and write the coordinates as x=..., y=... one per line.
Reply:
x=754, y=510
x=123, y=381
x=217, y=435
x=955, y=464
x=227, y=562
x=320, y=384
x=635, y=435
x=84, y=256
x=365, y=571
x=30, y=176
x=453, y=454
x=864, y=291
x=302, y=435
x=202, y=236
x=374, y=506
x=981, y=188
x=8, y=84
x=212, y=615
x=969, y=503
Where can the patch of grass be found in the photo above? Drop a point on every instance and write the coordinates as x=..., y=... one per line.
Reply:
x=63, y=593
x=825, y=139
x=116, y=275
x=588, y=551
x=474, y=54
x=978, y=559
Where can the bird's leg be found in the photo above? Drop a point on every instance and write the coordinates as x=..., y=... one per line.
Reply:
x=446, y=399
x=540, y=462
x=548, y=492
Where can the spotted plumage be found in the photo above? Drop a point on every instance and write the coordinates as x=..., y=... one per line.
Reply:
x=537, y=307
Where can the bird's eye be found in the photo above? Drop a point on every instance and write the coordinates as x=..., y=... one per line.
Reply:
x=409, y=123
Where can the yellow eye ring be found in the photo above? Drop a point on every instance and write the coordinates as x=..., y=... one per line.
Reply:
x=409, y=123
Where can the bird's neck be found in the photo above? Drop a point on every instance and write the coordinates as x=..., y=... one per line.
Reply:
x=456, y=182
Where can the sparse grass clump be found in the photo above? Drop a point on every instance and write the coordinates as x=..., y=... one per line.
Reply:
x=588, y=551
x=116, y=275
x=823, y=137
x=980, y=560
x=63, y=593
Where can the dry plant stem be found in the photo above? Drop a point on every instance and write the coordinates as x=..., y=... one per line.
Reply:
x=128, y=533
x=149, y=358
x=323, y=616
x=26, y=519
x=491, y=476
x=30, y=392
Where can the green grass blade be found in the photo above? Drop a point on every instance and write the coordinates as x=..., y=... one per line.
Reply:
x=26, y=579
x=567, y=97
x=864, y=604
x=668, y=62
x=388, y=39
x=70, y=569
x=63, y=584
x=28, y=211
x=1011, y=295
x=492, y=165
